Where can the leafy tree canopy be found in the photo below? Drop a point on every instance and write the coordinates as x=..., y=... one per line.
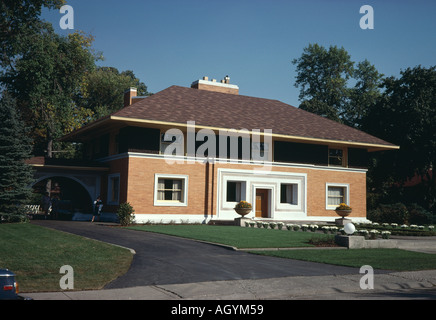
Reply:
x=406, y=115
x=44, y=80
x=19, y=23
x=102, y=90
x=323, y=76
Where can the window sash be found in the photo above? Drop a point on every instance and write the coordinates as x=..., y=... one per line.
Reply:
x=336, y=196
x=165, y=144
x=336, y=157
x=289, y=193
x=234, y=189
x=262, y=148
x=170, y=190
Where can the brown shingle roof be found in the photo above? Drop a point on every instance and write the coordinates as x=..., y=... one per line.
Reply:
x=219, y=110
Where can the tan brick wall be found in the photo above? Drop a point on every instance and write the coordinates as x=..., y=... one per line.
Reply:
x=141, y=186
x=216, y=88
x=201, y=200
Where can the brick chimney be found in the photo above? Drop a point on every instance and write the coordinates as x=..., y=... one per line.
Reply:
x=223, y=86
x=129, y=95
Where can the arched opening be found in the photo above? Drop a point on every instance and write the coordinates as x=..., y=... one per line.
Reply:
x=67, y=197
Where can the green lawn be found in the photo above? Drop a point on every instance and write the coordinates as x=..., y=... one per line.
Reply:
x=388, y=259
x=236, y=236
x=35, y=254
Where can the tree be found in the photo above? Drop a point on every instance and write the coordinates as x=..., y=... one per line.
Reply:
x=52, y=77
x=364, y=95
x=15, y=174
x=406, y=115
x=323, y=77
x=103, y=88
x=19, y=23
x=44, y=81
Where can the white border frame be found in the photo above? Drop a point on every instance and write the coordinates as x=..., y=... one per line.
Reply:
x=270, y=180
x=184, y=178
x=346, y=194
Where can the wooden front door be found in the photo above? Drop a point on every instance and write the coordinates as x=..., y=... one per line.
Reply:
x=262, y=203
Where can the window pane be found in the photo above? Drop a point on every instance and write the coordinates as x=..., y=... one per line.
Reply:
x=177, y=196
x=335, y=157
x=289, y=193
x=335, y=195
x=160, y=195
x=234, y=191
x=169, y=190
x=115, y=188
x=231, y=191
x=283, y=198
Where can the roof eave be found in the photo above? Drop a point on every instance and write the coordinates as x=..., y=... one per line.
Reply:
x=370, y=146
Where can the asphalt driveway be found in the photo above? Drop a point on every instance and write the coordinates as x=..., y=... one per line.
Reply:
x=163, y=260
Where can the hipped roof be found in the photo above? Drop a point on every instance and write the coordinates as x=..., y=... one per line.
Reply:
x=179, y=105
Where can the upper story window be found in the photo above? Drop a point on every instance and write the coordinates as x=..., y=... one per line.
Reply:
x=260, y=151
x=165, y=142
x=336, y=157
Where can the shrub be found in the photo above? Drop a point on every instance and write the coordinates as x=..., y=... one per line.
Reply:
x=125, y=214
x=401, y=214
x=418, y=215
x=313, y=227
x=394, y=213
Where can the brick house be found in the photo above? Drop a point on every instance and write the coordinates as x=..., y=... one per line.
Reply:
x=190, y=154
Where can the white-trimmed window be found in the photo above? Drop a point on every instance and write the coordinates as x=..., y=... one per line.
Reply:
x=337, y=194
x=113, y=189
x=289, y=193
x=234, y=191
x=171, y=190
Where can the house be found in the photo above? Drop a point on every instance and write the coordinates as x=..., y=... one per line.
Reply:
x=190, y=154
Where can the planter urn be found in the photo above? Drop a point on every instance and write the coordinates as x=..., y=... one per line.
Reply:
x=243, y=211
x=343, y=213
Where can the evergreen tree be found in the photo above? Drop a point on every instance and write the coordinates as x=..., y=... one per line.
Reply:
x=15, y=174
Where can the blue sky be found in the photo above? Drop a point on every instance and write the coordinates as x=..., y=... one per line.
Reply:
x=175, y=42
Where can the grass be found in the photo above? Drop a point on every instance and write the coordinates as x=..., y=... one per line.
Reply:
x=388, y=259
x=236, y=236
x=36, y=254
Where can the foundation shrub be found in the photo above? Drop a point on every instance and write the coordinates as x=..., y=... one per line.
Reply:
x=126, y=214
